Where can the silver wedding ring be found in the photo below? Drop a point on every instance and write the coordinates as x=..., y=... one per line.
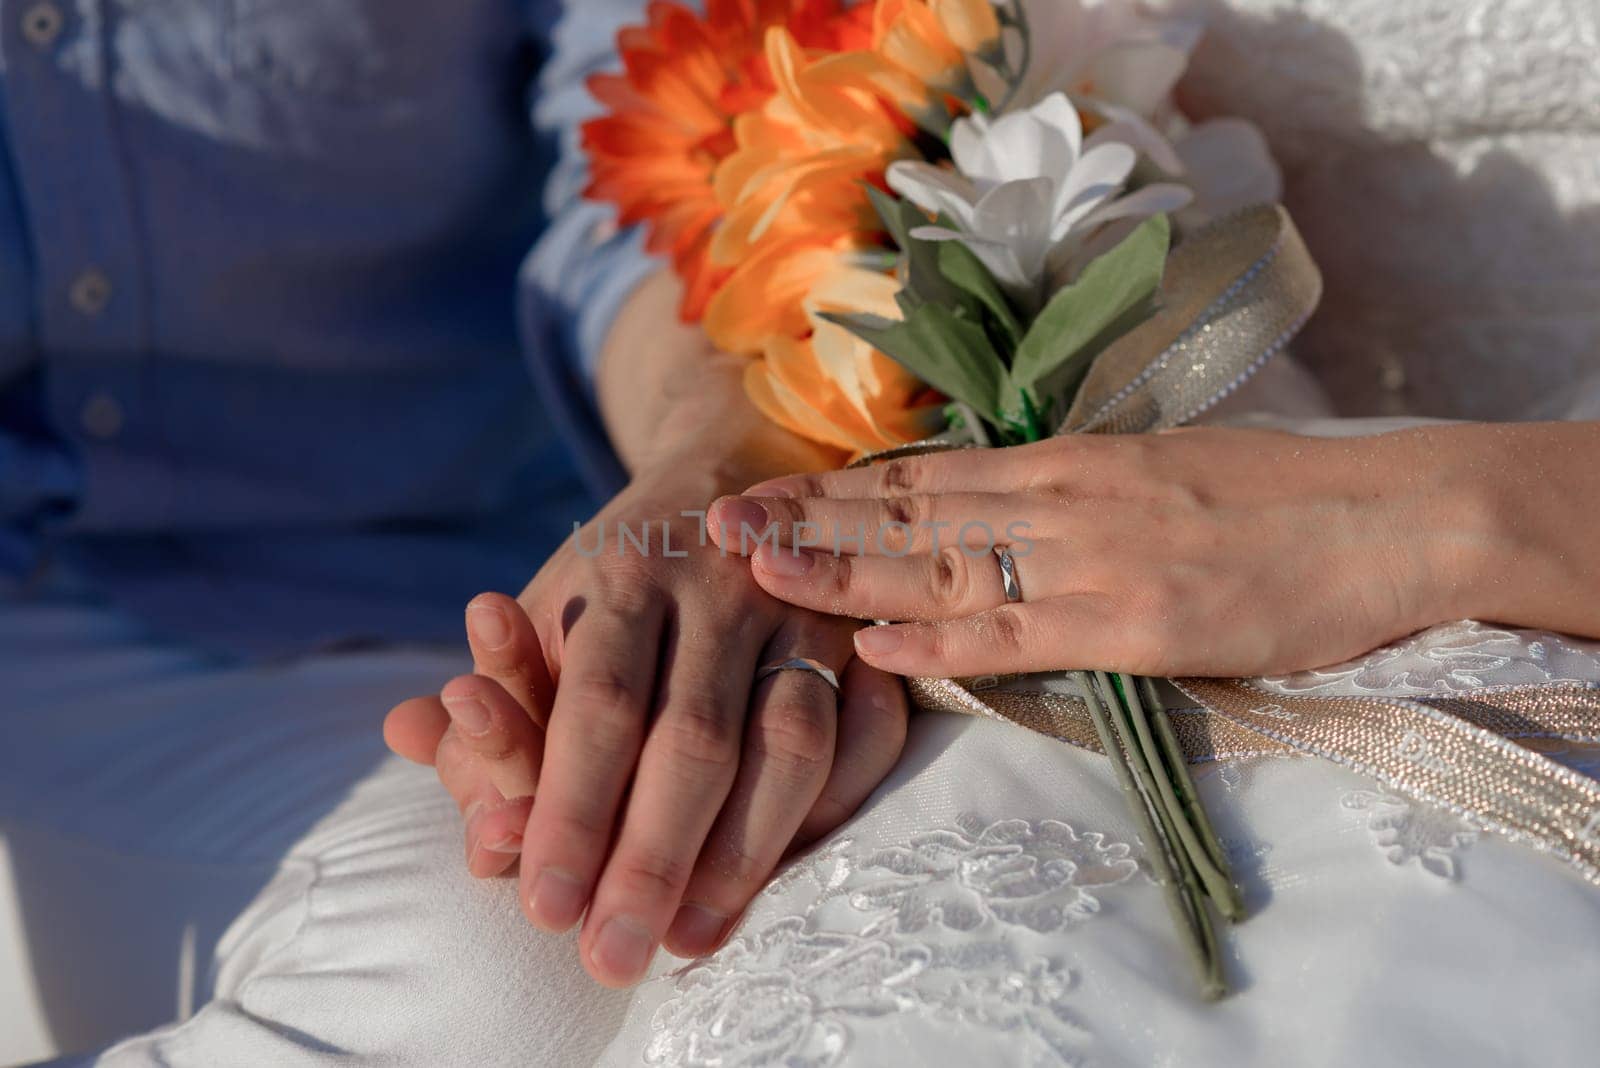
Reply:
x=1008, y=574
x=800, y=663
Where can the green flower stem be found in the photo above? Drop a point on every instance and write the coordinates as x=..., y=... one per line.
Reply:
x=1182, y=899
x=1232, y=905
x=1218, y=886
x=1212, y=983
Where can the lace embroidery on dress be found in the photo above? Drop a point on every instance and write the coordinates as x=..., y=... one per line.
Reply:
x=1452, y=658
x=1409, y=831
x=938, y=911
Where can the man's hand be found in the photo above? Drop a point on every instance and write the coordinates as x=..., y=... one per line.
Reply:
x=670, y=783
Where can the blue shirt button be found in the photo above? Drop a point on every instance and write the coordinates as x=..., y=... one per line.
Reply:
x=91, y=292
x=101, y=416
x=41, y=24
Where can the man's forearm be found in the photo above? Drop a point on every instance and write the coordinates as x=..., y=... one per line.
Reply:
x=671, y=402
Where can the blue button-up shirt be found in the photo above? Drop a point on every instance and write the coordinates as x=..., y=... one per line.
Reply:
x=277, y=367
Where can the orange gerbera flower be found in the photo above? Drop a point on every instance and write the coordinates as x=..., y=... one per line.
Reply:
x=802, y=158
x=831, y=386
x=931, y=39
x=671, y=112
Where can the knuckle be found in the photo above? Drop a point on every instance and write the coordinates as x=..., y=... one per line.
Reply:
x=625, y=579
x=1008, y=628
x=897, y=477
x=903, y=510
x=611, y=719
x=808, y=485
x=795, y=740
x=732, y=863
x=949, y=576
x=840, y=574
x=577, y=827
x=701, y=738
x=607, y=694
x=654, y=872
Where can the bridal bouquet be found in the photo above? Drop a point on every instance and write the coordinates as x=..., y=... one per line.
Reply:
x=933, y=219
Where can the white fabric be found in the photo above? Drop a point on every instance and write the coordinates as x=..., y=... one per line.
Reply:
x=986, y=906
x=1442, y=159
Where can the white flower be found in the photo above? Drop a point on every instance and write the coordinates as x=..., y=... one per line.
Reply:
x=1114, y=52
x=1029, y=196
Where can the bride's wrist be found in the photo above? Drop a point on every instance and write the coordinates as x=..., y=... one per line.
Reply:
x=1486, y=536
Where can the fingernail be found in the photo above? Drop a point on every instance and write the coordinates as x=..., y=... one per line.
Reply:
x=506, y=843
x=623, y=949
x=878, y=640
x=468, y=713
x=557, y=900
x=769, y=489
x=737, y=513
x=786, y=562
x=696, y=930
x=489, y=626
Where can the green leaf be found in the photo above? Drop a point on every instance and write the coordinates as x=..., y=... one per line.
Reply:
x=967, y=273
x=949, y=353
x=888, y=209
x=925, y=283
x=1114, y=293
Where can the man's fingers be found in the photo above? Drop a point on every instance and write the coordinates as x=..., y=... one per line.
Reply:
x=505, y=647
x=414, y=727
x=684, y=775
x=507, y=744
x=873, y=714
x=788, y=750
x=597, y=726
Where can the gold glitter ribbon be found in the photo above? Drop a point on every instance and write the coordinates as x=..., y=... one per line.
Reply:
x=1233, y=296
x=1456, y=752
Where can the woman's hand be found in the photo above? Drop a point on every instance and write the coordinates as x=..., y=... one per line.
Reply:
x=670, y=782
x=1204, y=551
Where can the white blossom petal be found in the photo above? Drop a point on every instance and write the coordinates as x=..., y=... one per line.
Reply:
x=1132, y=130
x=1017, y=214
x=1151, y=200
x=934, y=189
x=1098, y=175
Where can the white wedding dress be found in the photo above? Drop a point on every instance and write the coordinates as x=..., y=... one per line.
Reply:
x=989, y=904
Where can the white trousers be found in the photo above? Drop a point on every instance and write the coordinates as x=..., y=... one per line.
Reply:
x=225, y=862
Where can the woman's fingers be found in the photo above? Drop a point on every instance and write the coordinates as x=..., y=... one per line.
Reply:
x=1062, y=633
x=949, y=584
x=492, y=825
x=596, y=729
x=788, y=749
x=507, y=744
x=414, y=727
x=873, y=714
x=684, y=774
x=954, y=471
x=505, y=647
x=494, y=836
x=891, y=526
